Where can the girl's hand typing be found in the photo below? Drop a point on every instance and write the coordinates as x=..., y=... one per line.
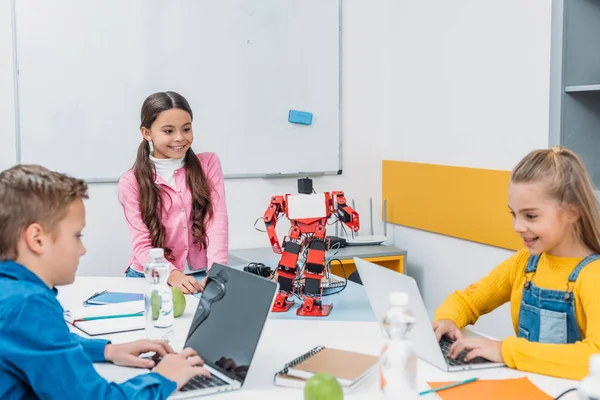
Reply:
x=446, y=327
x=477, y=347
x=187, y=284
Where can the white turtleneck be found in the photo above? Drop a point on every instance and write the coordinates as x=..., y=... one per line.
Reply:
x=165, y=168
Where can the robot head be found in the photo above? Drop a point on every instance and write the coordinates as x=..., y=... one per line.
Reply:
x=305, y=186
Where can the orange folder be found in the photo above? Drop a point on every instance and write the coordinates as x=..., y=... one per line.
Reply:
x=491, y=389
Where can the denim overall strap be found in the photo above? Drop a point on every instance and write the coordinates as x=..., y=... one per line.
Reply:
x=575, y=274
x=548, y=316
x=530, y=269
x=532, y=264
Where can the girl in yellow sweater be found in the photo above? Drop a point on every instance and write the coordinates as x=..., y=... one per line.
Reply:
x=553, y=285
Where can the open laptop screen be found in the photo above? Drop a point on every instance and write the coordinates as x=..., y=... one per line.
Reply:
x=229, y=319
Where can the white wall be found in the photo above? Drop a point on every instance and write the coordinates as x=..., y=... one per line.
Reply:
x=7, y=111
x=468, y=86
x=363, y=120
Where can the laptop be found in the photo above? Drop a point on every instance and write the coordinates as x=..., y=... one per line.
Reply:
x=379, y=282
x=226, y=329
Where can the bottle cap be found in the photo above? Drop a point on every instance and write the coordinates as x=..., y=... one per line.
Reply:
x=399, y=299
x=595, y=364
x=157, y=253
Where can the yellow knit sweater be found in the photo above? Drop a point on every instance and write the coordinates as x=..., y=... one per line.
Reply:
x=505, y=283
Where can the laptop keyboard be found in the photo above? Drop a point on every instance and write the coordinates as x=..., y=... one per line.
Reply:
x=202, y=382
x=445, y=344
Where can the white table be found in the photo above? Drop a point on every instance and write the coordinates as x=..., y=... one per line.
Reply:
x=282, y=341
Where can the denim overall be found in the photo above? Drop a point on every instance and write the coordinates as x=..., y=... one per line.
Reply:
x=548, y=316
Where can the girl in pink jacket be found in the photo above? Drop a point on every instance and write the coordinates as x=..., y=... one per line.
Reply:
x=172, y=198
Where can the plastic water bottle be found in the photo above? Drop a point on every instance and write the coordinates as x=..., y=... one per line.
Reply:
x=398, y=361
x=158, y=298
x=589, y=388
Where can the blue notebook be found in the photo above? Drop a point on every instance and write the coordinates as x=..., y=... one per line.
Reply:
x=106, y=297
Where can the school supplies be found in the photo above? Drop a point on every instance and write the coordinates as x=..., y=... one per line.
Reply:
x=106, y=297
x=108, y=317
x=492, y=389
x=449, y=386
x=350, y=368
x=105, y=319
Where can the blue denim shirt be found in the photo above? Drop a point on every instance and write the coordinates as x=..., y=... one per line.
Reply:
x=41, y=358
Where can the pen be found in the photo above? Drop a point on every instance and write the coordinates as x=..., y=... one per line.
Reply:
x=448, y=386
x=109, y=317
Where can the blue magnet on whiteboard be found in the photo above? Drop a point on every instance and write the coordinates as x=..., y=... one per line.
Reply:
x=300, y=117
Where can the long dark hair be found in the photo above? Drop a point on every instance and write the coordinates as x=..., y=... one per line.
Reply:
x=151, y=203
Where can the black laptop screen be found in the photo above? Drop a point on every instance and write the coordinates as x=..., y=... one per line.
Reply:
x=230, y=318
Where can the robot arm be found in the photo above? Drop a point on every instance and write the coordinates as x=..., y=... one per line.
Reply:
x=275, y=209
x=344, y=212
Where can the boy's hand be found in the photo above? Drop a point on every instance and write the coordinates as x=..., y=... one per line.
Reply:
x=128, y=354
x=446, y=327
x=479, y=347
x=182, y=367
x=187, y=284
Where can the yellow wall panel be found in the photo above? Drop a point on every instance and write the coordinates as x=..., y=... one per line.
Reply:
x=466, y=203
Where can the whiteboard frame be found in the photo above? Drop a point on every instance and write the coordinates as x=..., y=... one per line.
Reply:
x=226, y=176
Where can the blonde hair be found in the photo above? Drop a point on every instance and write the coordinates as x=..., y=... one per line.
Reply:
x=33, y=194
x=568, y=182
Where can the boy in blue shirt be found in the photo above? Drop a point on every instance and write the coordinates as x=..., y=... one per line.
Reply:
x=41, y=219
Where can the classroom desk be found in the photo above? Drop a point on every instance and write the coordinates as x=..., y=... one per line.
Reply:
x=387, y=256
x=284, y=340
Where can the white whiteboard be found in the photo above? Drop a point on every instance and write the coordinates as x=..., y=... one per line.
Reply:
x=85, y=67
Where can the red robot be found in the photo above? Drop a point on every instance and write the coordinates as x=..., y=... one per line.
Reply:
x=308, y=213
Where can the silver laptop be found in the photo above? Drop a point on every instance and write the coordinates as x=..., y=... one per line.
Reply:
x=226, y=329
x=379, y=282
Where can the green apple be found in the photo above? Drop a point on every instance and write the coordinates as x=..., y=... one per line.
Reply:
x=323, y=387
x=155, y=301
x=178, y=302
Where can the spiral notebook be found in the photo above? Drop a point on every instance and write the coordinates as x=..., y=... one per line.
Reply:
x=105, y=319
x=350, y=368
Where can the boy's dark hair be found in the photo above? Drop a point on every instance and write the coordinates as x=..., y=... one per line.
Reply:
x=33, y=194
